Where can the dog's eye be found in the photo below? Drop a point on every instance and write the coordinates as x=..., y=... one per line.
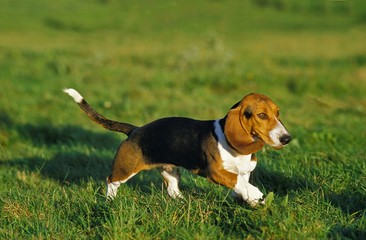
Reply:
x=263, y=116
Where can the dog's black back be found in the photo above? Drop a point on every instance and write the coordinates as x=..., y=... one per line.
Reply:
x=175, y=140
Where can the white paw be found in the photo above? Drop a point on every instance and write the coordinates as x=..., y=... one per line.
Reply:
x=255, y=197
x=256, y=202
x=112, y=190
x=174, y=193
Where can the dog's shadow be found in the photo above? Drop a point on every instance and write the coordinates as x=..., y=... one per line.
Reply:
x=279, y=182
x=69, y=164
x=78, y=154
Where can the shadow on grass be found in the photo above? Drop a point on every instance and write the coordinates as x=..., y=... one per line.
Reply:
x=68, y=164
x=73, y=162
x=346, y=232
x=69, y=167
x=351, y=201
x=47, y=135
x=280, y=183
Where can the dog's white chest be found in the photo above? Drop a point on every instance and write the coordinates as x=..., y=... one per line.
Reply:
x=238, y=164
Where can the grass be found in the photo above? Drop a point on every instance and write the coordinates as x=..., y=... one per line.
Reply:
x=139, y=61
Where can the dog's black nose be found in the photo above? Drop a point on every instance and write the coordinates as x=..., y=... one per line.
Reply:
x=285, y=139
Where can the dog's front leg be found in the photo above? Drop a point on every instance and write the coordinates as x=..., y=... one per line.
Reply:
x=251, y=194
x=239, y=183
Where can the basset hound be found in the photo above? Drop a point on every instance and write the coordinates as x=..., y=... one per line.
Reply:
x=221, y=150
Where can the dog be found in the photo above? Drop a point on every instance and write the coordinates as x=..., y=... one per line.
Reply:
x=220, y=150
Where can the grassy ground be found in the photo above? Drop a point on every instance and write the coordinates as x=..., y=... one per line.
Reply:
x=139, y=61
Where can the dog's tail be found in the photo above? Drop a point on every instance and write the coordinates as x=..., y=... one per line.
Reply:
x=96, y=117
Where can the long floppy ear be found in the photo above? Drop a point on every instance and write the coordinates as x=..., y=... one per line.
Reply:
x=237, y=136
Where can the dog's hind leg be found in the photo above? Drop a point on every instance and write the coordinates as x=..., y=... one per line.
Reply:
x=171, y=178
x=112, y=186
x=126, y=164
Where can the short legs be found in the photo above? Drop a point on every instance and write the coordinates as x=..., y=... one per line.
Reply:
x=169, y=173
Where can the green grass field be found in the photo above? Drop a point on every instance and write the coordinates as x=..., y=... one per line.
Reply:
x=137, y=61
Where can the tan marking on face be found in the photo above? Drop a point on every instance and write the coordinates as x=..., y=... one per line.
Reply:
x=265, y=115
x=258, y=119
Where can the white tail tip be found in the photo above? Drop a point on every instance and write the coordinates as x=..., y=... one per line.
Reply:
x=74, y=94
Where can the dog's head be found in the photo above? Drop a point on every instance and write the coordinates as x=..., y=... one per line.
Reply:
x=254, y=121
